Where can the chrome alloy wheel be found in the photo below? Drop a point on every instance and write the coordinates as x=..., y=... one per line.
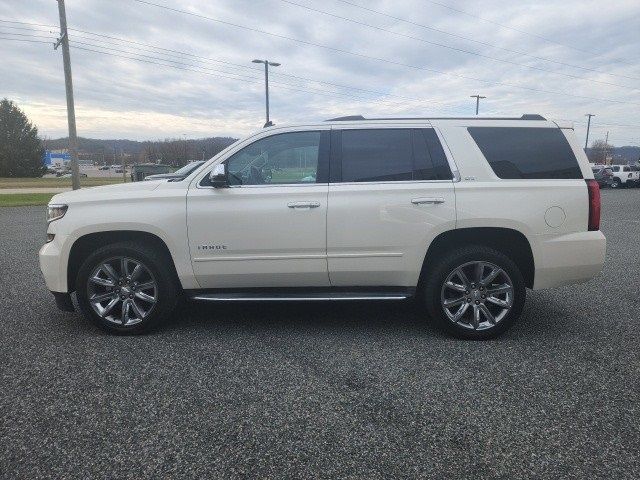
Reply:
x=477, y=295
x=122, y=291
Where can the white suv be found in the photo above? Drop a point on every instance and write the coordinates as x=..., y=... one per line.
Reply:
x=624, y=176
x=462, y=213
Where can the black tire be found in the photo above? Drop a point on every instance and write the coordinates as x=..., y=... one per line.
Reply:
x=167, y=286
x=616, y=183
x=437, y=273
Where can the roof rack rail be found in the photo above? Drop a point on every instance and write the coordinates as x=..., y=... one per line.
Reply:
x=347, y=118
x=526, y=116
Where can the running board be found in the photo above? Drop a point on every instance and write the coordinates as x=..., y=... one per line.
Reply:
x=299, y=296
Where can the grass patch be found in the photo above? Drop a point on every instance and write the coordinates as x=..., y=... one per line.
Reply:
x=56, y=182
x=24, y=199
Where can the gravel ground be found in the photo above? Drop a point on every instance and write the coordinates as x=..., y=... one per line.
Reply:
x=321, y=390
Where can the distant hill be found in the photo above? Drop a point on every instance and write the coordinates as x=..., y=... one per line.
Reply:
x=171, y=151
x=622, y=155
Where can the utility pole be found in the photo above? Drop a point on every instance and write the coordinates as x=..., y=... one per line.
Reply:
x=477, y=97
x=606, y=147
x=184, y=147
x=586, y=142
x=124, y=166
x=266, y=85
x=71, y=111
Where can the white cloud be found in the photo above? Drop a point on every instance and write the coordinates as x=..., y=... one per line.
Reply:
x=119, y=97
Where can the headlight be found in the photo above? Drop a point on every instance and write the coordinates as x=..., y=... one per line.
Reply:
x=56, y=212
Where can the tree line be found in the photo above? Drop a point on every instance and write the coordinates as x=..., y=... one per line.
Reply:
x=22, y=150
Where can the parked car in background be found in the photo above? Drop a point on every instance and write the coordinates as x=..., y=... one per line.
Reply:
x=347, y=209
x=624, y=176
x=104, y=167
x=603, y=175
x=141, y=170
x=179, y=174
x=69, y=175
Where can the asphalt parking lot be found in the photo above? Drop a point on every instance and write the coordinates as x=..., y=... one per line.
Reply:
x=320, y=390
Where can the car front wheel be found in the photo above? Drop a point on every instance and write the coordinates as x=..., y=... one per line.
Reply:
x=475, y=293
x=126, y=288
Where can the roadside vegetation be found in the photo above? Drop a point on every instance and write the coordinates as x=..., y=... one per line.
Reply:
x=56, y=182
x=25, y=199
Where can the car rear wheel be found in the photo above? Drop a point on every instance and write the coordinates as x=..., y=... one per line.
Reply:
x=475, y=293
x=616, y=183
x=126, y=288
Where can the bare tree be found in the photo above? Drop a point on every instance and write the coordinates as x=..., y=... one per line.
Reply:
x=599, y=151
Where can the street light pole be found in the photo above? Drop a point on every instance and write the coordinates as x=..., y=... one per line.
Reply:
x=477, y=97
x=586, y=142
x=266, y=85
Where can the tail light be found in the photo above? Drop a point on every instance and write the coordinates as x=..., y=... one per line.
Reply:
x=630, y=175
x=594, y=204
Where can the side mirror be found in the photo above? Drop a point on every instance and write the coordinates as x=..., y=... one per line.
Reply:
x=218, y=176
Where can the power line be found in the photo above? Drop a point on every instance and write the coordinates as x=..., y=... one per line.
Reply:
x=349, y=87
x=516, y=29
x=461, y=50
x=377, y=59
x=27, y=35
x=209, y=59
x=29, y=23
x=28, y=41
x=473, y=40
x=197, y=70
x=224, y=74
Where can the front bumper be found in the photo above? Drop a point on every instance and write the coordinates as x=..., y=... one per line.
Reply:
x=568, y=259
x=63, y=301
x=50, y=259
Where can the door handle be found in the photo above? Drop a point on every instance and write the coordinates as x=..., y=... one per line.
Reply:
x=427, y=201
x=303, y=204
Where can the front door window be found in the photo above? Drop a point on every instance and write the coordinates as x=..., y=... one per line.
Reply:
x=287, y=158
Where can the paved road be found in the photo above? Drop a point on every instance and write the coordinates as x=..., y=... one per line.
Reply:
x=320, y=390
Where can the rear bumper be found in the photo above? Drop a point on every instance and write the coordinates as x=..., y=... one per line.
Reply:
x=568, y=259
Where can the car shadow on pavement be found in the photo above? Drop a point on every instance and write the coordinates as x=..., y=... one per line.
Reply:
x=540, y=317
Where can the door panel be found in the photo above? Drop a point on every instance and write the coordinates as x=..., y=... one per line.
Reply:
x=377, y=234
x=268, y=229
x=251, y=236
x=391, y=194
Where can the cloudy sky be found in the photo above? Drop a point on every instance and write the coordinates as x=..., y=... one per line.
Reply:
x=142, y=71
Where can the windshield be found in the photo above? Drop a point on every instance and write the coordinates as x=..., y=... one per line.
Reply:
x=188, y=168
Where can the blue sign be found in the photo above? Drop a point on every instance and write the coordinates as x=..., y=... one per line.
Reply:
x=51, y=157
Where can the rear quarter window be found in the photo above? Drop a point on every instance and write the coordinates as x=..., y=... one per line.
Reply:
x=527, y=152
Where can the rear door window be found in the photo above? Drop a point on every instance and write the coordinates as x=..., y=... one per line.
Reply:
x=430, y=160
x=527, y=153
x=383, y=155
x=377, y=155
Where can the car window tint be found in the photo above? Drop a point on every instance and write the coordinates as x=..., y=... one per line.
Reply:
x=527, y=153
x=376, y=155
x=438, y=157
x=278, y=159
x=423, y=165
